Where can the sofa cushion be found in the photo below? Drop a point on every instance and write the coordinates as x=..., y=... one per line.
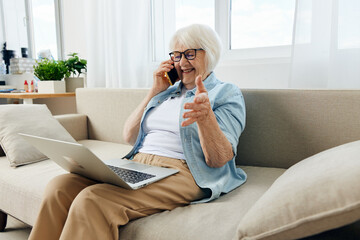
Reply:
x=316, y=194
x=26, y=184
x=75, y=124
x=30, y=119
x=214, y=220
x=23, y=187
x=286, y=126
x=107, y=110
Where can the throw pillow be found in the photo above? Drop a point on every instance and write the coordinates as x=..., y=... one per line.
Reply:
x=30, y=119
x=317, y=194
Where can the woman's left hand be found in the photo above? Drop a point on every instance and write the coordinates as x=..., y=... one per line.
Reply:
x=216, y=148
x=200, y=108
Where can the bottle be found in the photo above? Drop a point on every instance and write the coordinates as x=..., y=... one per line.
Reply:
x=26, y=86
x=32, y=88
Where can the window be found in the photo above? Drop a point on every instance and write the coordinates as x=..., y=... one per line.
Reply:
x=261, y=23
x=44, y=27
x=32, y=24
x=189, y=11
x=13, y=28
x=248, y=28
x=349, y=24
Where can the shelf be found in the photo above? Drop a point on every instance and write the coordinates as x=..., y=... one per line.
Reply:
x=28, y=97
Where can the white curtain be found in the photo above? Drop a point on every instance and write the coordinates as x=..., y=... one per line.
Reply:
x=326, y=45
x=118, y=38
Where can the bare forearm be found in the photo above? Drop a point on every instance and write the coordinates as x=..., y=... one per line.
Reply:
x=217, y=149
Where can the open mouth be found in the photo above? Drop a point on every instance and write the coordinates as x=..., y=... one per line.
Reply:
x=187, y=70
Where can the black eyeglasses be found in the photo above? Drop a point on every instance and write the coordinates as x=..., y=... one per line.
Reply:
x=189, y=54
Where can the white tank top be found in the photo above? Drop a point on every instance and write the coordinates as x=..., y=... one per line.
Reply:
x=162, y=129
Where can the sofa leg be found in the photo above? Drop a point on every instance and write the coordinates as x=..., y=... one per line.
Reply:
x=3, y=220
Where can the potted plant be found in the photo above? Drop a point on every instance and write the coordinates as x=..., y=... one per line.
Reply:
x=75, y=66
x=50, y=73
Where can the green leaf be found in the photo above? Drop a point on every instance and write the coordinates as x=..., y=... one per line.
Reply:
x=75, y=65
x=50, y=70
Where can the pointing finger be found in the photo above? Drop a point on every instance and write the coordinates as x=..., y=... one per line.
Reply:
x=200, y=85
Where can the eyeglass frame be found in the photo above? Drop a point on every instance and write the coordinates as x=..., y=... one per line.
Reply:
x=183, y=53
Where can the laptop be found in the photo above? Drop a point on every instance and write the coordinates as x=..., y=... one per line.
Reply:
x=76, y=158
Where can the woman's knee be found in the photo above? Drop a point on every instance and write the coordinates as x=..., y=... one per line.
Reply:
x=86, y=199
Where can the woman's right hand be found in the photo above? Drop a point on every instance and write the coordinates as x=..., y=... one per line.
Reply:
x=160, y=83
x=132, y=124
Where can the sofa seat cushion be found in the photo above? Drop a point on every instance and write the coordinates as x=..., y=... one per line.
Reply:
x=214, y=220
x=21, y=188
x=317, y=194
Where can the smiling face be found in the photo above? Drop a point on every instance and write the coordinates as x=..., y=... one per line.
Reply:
x=188, y=70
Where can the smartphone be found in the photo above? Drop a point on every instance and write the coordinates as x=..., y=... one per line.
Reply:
x=172, y=76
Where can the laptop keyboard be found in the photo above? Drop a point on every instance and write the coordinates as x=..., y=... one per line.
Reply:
x=130, y=176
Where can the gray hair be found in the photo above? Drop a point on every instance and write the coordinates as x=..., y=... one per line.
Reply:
x=199, y=36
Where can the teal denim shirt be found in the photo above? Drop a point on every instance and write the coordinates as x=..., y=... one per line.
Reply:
x=228, y=104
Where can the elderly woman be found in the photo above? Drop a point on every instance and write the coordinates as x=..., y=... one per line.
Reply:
x=192, y=126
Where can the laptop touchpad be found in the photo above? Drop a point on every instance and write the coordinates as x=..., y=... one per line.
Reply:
x=135, y=166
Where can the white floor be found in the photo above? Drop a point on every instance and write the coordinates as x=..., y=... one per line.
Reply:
x=15, y=230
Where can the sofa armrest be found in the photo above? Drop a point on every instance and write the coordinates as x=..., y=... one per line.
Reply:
x=75, y=124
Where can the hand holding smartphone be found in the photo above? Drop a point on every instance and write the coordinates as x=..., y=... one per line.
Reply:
x=172, y=76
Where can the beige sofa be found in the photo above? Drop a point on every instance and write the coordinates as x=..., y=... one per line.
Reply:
x=283, y=127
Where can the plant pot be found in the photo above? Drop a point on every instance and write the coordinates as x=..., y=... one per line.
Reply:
x=73, y=83
x=51, y=86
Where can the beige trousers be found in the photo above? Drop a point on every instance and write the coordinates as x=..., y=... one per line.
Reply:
x=75, y=207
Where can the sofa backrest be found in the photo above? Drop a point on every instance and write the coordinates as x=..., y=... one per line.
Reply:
x=282, y=126
x=286, y=126
x=107, y=110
